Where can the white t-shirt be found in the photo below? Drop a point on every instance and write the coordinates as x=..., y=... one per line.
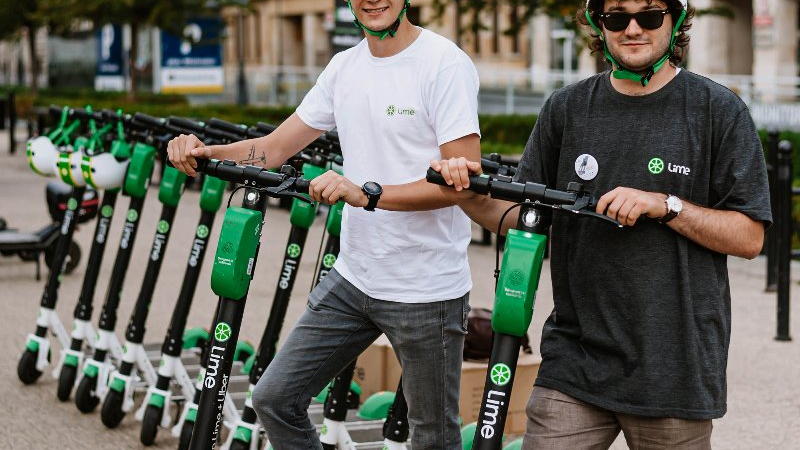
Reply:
x=392, y=114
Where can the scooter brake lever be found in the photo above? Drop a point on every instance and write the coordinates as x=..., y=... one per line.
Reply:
x=587, y=213
x=286, y=189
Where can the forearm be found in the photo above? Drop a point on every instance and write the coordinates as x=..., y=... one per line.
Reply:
x=416, y=196
x=250, y=152
x=728, y=232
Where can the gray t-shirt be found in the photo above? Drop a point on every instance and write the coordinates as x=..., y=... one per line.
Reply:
x=642, y=316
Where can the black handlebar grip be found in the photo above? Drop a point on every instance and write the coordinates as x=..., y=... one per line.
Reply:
x=229, y=127
x=55, y=110
x=265, y=127
x=79, y=113
x=223, y=136
x=184, y=125
x=147, y=121
x=302, y=185
x=435, y=177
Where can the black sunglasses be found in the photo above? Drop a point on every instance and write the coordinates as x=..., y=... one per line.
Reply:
x=651, y=19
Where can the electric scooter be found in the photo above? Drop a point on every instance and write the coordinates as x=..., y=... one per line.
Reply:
x=93, y=381
x=517, y=284
x=106, y=172
x=44, y=158
x=118, y=399
x=213, y=132
x=245, y=433
x=234, y=263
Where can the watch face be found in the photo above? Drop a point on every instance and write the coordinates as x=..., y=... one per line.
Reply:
x=372, y=188
x=674, y=203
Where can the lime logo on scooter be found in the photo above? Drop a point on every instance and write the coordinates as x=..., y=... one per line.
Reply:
x=290, y=265
x=163, y=226
x=130, y=227
x=655, y=166
x=202, y=231
x=500, y=375
x=198, y=245
x=293, y=250
x=222, y=332
x=69, y=214
x=329, y=260
x=105, y=220
x=160, y=239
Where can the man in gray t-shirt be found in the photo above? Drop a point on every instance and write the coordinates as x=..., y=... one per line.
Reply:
x=639, y=334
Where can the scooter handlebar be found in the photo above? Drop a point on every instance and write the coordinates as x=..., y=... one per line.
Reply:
x=251, y=175
x=182, y=125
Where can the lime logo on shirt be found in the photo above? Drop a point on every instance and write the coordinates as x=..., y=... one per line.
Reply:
x=655, y=166
x=393, y=110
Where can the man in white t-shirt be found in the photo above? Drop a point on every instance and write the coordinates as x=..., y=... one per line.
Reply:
x=402, y=97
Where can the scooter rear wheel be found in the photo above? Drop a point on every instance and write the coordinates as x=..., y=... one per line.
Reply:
x=186, y=436
x=152, y=417
x=84, y=399
x=26, y=368
x=66, y=381
x=111, y=414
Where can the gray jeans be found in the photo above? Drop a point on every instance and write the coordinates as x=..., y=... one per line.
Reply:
x=339, y=323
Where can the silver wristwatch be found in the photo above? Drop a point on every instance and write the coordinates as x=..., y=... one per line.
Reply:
x=674, y=207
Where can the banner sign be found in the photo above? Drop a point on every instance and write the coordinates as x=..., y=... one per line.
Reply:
x=192, y=64
x=109, y=72
x=345, y=33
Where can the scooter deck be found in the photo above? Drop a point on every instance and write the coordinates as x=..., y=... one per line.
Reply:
x=12, y=240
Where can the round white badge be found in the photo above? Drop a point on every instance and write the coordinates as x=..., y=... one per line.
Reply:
x=586, y=167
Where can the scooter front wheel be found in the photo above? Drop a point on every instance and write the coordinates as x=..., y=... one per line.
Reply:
x=84, y=398
x=186, y=436
x=26, y=368
x=152, y=417
x=66, y=381
x=112, y=413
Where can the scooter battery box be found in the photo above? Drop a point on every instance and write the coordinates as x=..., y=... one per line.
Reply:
x=58, y=194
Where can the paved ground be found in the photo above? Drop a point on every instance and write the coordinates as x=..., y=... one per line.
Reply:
x=763, y=375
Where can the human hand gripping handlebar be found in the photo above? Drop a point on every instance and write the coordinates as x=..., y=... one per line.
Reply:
x=574, y=200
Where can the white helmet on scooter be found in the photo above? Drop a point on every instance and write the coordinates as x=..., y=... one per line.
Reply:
x=104, y=171
x=69, y=168
x=42, y=156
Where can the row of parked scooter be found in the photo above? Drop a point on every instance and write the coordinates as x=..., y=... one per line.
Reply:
x=114, y=154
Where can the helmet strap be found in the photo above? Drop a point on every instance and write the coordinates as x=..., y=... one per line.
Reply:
x=621, y=72
x=390, y=31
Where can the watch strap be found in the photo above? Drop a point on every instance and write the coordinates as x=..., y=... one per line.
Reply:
x=671, y=214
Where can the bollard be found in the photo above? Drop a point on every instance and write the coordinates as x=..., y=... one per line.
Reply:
x=770, y=246
x=783, y=225
x=12, y=122
x=3, y=110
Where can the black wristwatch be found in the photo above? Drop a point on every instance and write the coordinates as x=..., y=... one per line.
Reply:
x=373, y=191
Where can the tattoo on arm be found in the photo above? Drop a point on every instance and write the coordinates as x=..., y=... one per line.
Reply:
x=253, y=159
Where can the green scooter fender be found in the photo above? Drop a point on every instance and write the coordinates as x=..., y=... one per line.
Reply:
x=244, y=351
x=376, y=407
x=334, y=223
x=519, y=280
x=195, y=337
x=516, y=444
x=468, y=435
x=248, y=365
x=323, y=395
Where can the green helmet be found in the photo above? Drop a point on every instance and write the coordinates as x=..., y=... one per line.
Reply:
x=391, y=30
x=622, y=72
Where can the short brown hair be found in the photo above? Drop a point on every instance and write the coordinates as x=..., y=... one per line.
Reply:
x=675, y=8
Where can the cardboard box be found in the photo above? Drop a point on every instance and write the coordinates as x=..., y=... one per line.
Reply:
x=473, y=377
x=371, y=368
